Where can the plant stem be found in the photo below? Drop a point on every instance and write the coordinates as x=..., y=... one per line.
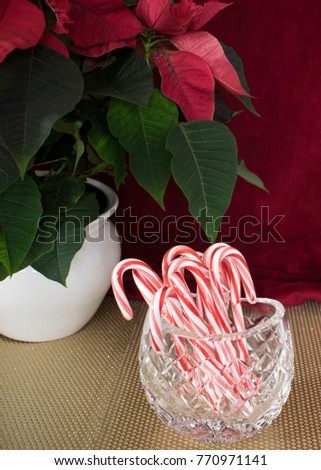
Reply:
x=36, y=165
x=150, y=39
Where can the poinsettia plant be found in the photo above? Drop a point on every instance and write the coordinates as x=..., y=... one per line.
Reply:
x=122, y=85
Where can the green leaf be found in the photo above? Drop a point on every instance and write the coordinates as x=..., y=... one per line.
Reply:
x=52, y=138
x=222, y=113
x=47, y=233
x=37, y=87
x=204, y=166
x=67, y=127
x=59, y=192
x=249, y=176
x=51, y=18
x=20, y=210
x=72, y=128
x=8, y=170
x=79, y=150
x=129, y=78
x=108, y=149
x=3, y=272
x=89, y=110
x=44, y=241
x=55, y=265
x=105, y=145
x=143, y=132
x=64, y=190
x=238, y=65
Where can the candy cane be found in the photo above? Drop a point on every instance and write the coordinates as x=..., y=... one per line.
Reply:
x=239, y=274
x=209, y=298
x=183, y=364
x=236, y=271
x=216, y=374
x=177, y=251
x=175, y=312
x=118, y=287
x=222, y=279
x=219, y=274
x=193, y=256
x=177, y=315
x=183, y=294
x=220, y=355
x=182, y=263
x=187, y=253
x=214, y=259
x=225, y=352
x=155, y=319
x=145, y=285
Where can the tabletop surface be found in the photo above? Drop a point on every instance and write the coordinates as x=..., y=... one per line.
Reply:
x=84, y=391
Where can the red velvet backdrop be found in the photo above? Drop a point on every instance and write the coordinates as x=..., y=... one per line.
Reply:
x=280, y=45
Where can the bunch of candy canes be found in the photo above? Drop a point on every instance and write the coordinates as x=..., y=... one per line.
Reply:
x=219, y=273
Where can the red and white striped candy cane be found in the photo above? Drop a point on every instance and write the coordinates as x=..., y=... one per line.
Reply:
x=174, y=311
x=145, y=285
x=239, y=274
x=225, y=351
x=214, y=259
x=232, y=262
x=118, y=287
x=177, y=282
x=215, y=311
x=165, y=306
x=175, y=254
x=219, y=381
x=155, y=319
x=219, y=274
x=183, y=364
x=196, y=268
x=222, y=278
x=220, y=354
x=245, y=277
x=217, y=375
x=179, y=250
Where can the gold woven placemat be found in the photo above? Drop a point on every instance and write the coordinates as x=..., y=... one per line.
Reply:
x=84, y=392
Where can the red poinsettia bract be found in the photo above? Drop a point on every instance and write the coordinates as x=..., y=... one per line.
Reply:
x=168, y=18
x=61, y=10
x=190, y=61
x=98, y=27
x=51, y=41
x=189, y=73
x=21, y=26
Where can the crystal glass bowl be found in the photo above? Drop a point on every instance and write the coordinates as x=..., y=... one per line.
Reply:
x=197, y=393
